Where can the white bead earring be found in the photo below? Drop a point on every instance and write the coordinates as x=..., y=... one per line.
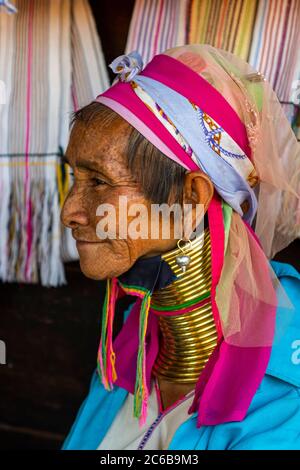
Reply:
x=183, y=260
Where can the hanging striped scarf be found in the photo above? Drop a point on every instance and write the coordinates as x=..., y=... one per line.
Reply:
x=51, y=63
x=157, y=25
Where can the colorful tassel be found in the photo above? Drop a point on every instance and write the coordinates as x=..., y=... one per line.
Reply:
x=106, y=368
x=141, y=391
x=106, y=356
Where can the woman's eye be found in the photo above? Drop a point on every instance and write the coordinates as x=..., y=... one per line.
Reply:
x=98, y=181
x=95, y=181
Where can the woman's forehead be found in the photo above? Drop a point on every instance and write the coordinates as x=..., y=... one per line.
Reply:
x=93, y=139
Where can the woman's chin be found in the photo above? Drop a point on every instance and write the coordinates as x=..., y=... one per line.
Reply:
x=93, y=271
x=101, y=261
x=99, y=271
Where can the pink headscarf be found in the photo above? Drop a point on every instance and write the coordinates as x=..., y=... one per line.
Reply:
x=251, y=158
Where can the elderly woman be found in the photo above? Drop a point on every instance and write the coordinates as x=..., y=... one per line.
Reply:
x=208, y=355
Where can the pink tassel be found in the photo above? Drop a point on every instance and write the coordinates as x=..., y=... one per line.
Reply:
x=106, y=355
x=111, y=371
x=144, y=408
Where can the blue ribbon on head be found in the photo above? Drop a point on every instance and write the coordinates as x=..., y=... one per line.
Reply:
x=10, y=8
x=231, y=186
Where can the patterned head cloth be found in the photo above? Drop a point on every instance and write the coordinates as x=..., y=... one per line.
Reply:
x=207, y=109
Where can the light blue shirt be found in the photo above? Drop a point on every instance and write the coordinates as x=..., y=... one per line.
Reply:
x=272, y=420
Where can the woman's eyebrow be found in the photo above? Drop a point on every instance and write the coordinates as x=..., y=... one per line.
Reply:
x=83, y=163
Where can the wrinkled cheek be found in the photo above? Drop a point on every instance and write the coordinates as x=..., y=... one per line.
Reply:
x=79, y=198
x=111, y=224
x=92, y=203
x=112, y=215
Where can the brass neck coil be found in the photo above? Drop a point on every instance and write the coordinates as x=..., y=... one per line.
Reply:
x=189, y=338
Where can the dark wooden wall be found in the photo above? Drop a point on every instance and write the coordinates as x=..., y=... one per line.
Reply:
x=112, y=18
x=52, y=334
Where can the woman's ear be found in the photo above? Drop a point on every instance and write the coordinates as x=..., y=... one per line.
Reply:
x=198, y=189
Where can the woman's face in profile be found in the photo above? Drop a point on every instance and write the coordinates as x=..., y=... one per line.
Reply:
x=96, y=155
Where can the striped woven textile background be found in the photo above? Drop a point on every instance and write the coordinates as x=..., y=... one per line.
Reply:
x=156, y=26
x=51, y=63
x=266, y=33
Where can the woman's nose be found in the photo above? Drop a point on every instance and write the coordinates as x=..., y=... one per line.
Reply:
x=73, y=214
